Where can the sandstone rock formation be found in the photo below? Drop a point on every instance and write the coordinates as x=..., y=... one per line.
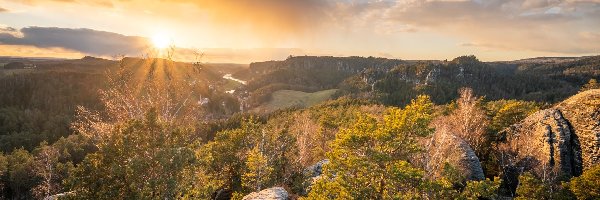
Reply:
x=316, y=169
x=312, y=174
x=544, y=144
x=583, y=113
x=556, y=143
x=447, y=148
x=275, y=193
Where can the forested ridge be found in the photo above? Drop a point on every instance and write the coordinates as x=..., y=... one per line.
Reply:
x=395, y=82
x=143, y=128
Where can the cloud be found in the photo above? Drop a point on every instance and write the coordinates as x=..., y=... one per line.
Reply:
x=8, y=30
x=226, y=55
x=267, y=16
x=282, y=16
x=73, y=43
x=532, y=25
x=405, y=27
x=31, y=51
x=87, y=41
x=105, y=3
x=3, y=10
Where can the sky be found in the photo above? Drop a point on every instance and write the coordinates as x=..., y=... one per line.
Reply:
x=244, y=31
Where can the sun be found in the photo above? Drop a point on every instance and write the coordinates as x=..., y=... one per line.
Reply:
x=161, y=41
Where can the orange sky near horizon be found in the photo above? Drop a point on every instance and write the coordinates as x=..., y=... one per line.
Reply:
x=258, y=30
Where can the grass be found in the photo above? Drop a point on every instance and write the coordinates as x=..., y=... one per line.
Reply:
x=231, y=85
x=282, y=99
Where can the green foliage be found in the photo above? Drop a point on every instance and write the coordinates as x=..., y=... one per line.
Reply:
x=484, y=189
x=371, y=157
x=257, y=170
x=532, y=188
x=587, y=186
x=508, y=112
x=305, y=73
x=368, y=160
x=20, y=176
x=52, y=168
x=224, y=158
x=503, y=113
x=141, y=159
x=36, y=107
x=453, y=175
x=249, y=158
x=3, y=171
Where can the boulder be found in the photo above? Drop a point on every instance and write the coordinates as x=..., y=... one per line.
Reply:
x=556, y=143
x=275, y=193
x=582, y=111
x=448, y=148
x=543, y=144
x=316, y=169
x=312, y=174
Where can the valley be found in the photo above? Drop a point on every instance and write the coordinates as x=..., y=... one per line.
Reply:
x=486, y=118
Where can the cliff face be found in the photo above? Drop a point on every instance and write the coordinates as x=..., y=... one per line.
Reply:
x=557, y=143
x=583, y=113
x=544, y=144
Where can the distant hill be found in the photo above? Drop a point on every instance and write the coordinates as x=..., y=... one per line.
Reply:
x=39, y=104
x=15, y=65
x=395, y=82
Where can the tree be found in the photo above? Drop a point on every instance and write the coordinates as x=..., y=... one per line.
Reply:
x=140, y=159
x=224, y=158
x=468, y=121
x=592, y=84
x=368, y=160
x=3, y=170
x=484, y=189
x=257, y=171
x=250, y=158
x=45, y=167
x=532, y=188
x=128, y=97
x=587, y=186
x=508, y=112
x=20, y=174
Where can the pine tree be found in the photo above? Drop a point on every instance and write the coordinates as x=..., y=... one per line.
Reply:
x=587, y=186
x=369, y=159
x=258, y=171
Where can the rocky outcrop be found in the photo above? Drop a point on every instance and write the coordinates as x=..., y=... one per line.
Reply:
x=275, y=193
x=582, y=111
x=447, y=148
x=544, y=144
x=311, y=175
x=556, y=143
x=316, y=169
